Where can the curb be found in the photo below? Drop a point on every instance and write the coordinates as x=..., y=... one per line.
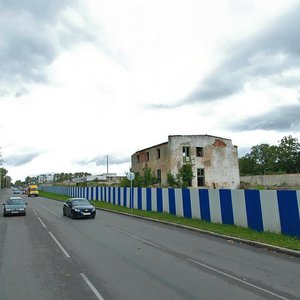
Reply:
x=278, y=249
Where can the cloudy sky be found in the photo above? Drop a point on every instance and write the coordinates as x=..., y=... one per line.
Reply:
x=81, y=80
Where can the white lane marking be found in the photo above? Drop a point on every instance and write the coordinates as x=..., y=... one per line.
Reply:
x=138, y=238
x=59, y=245
x=53, y=213
x=34, y=212
x=237, y=279
x=42, y=222
x=92, y=287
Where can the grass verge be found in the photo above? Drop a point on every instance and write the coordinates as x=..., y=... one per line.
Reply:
x=274, y=239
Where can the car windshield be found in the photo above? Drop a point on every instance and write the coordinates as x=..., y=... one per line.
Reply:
x=15, y=202
x=80, y=202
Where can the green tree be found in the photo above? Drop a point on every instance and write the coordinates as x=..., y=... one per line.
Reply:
x=3, y=173
x=172, y=181
x=186, y=175
x=289, y=155
x=27, y=180
x=246, y=165
x=266, y=159
x=149, y=178
x=18, y=183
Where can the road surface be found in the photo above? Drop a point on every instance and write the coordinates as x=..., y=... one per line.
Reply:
x=47, y=256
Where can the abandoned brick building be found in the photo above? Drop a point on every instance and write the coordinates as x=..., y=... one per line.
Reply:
x=214, y=160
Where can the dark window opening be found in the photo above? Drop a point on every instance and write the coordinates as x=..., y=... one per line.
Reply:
x=147, y=156
x=199, y=151
x=158, y=175
x=200, y=177
x=158, y=153
x=138, y=158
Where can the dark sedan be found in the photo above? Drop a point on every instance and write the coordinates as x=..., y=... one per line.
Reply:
x=79, y=208
x=14, y=206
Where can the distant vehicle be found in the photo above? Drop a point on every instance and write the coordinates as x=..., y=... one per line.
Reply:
x=79, y=208
x=14, y=206
x=32, y=190
x=16, y=191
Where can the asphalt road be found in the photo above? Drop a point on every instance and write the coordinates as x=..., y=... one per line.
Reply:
x=47, y=256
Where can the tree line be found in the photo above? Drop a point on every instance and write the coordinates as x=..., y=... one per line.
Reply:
x=283, y=158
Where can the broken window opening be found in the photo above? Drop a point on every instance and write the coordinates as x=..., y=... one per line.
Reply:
x=200, y=177
x=199, y=151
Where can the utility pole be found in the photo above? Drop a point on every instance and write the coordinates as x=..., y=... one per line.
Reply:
x=106, y=164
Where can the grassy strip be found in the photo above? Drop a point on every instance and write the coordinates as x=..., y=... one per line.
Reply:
x=230, y=230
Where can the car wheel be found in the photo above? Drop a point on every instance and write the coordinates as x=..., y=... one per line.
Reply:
x=72, y=215
x=64, y=213
x=93, y=216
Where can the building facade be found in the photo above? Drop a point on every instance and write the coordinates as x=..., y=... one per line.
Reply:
x=214, y=160
x=45, y=178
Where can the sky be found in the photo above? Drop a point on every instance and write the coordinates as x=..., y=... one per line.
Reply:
x=86, y=80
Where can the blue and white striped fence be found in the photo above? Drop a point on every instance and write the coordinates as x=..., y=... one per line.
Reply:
x=274, y=211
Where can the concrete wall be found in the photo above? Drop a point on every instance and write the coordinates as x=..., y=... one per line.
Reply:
x=270, y=180
x=274, y=211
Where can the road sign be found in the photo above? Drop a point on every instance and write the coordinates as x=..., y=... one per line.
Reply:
x=130, y=176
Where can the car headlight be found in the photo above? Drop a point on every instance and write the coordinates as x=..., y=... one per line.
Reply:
x=76, y=209
x=93, y=209
x=7, y=209
x=21, y=208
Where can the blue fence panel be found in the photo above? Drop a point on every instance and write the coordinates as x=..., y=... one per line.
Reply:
x=148, y=199
x=159, y=200
x=253, y=210
x=204, y=205
x=125, y=196
x=92, y=193
x=119, y=196
x=139, y=200
x=109, y=194
x=172, y=203
x=114, y=195
x=186, y=203
x=226, y=206
x=289, y=212
x=97, y=193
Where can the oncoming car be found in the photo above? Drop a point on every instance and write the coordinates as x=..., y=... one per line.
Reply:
x=79, y=208
x=14, y=206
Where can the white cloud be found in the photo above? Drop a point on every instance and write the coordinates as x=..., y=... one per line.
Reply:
x=95, y=72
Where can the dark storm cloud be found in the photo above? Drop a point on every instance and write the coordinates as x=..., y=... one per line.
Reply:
x=284, y=118
x=20, y=159
x=30, y=40
x=270, y=53
x=102, y=160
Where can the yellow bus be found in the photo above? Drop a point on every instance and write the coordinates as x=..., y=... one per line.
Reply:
x=32, y=190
